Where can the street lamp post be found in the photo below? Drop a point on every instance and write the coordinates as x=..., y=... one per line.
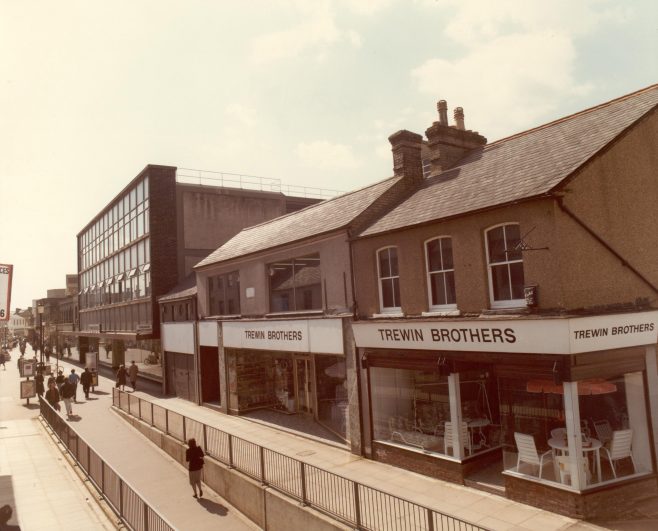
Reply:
x=40, y=309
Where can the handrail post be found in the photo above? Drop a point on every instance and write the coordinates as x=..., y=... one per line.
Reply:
x=357, y=505
x=121, y=497
x=184, y=429
x=302, y=472
x=146, y=516
x=102, y=475
x=262, y=465
x=230, y=451
x=167, y=421
x=88, y=459
x=205, y=438
x=430, y=519
x=139, y=407
x=152, y=420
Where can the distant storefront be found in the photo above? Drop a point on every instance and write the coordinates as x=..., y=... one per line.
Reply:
x=295, y=366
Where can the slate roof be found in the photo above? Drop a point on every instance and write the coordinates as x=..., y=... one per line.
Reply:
x=519, y=167
x=330, y=215
x=186, y=288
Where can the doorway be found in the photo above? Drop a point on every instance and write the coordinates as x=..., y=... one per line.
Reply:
x=303, y=383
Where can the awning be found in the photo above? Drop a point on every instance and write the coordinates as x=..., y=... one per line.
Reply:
x=109, y=281
x=120, y=277
x=132, y=273
x=145, y=268
x=593, y=386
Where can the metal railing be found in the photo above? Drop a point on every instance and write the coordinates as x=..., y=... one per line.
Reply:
x=358, y=505
x=124, y=500
x=250, y=182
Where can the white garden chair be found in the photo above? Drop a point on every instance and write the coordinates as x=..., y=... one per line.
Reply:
x=620, y=448
x=528, y=452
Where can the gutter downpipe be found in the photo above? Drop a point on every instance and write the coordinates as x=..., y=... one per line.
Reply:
x=590, y=231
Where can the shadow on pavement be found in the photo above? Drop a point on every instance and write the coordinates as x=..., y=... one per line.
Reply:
x=213, y=507
x=99, y=393
x=31, y=406
x=74, y=418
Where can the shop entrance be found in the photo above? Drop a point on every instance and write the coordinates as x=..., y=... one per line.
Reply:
x=209, y=358
x=303, y=382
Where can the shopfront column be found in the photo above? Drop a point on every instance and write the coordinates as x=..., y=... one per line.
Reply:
x=652, y=381
x=574, y=438
x=456, y=415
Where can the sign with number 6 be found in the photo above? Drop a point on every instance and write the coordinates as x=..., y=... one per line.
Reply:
x=5, y=291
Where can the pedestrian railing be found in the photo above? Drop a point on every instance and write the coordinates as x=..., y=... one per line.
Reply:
x=124, y=500
x=358, y=505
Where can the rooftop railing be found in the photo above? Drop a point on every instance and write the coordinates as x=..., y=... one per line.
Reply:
x=353, y=503
x=250, y=182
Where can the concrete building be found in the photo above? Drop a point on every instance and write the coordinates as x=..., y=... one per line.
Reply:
x=507, y=319
x=146, y=240
x=20, y=323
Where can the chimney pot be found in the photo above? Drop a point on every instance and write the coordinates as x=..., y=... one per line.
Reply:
x=442, y=107
x=459, y=118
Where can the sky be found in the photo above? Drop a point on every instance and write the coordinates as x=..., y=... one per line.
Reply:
x=305, y=91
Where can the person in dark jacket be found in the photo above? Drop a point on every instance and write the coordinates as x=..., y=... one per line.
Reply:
x=194, y=455
x=68, y=392
x=85, y=380
x=60, y=380
x=39, y=379
x=52, y=396
x=121, y=377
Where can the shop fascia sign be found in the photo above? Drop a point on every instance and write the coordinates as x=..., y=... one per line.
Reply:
x=323, y=336
x=539, y=336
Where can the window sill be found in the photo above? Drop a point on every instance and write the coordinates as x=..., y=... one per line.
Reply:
x=293, y=313
x=385, y=315
x=442, y=313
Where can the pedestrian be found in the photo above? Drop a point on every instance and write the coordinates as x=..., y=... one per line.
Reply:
x=47, y=351
x=132, y=373
x=74, y=379
x=121, y=377
x=94, y=380
x=194, y=455
x=3, y=357
x=68, y=392
x=52, y=396
x=51, y=380
x=39, y=379
x=60, y=380
x=85, y=380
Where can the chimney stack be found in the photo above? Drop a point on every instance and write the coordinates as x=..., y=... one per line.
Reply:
x=449, y=144
x=407, y=161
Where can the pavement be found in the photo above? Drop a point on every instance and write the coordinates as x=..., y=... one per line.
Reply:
x=163, y=482
x=160, y=480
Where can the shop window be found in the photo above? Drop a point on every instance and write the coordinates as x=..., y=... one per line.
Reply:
x=331, y=388
x=505, y=266
x=224, y=294
x=410, y=408
x=440, y=273
x=612, y=435
x=389, y=279
x=295, y=284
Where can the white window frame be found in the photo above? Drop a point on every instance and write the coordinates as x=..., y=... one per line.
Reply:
x=512, y=303
x=389, y=309
x=428, y=274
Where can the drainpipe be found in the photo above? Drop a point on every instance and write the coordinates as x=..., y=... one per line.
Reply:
x=590, y=231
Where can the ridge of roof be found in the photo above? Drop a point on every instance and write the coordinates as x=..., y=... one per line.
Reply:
x=571, y=116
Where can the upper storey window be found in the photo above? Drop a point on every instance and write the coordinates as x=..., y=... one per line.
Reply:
x=389, y=279
x=224, y=294
x=505, y=264
x=295, y=284
x=440, y=273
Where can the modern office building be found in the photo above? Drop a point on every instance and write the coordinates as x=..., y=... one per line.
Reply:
x=146, y=240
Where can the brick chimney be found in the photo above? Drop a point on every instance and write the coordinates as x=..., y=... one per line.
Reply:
x=448, y=144
x=406, y=148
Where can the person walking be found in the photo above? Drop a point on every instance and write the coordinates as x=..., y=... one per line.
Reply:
x=121, y=377
x=194, y=455
x=60, y=380
x=47, y=351
x=68, y=392
x=132, y=374
x=39, y=379
x=3, y=357
x=85, y=380
x=52, y=396
x=74, y=379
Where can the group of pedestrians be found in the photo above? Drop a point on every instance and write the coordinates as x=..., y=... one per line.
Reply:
x=130, y=373
x=66, y=389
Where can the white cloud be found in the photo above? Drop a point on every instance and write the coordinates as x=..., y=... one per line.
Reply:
x=510, y=83
x=243, y=115
x=326, y=155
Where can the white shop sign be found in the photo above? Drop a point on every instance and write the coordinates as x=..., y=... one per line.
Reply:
x=540, y=336
x=178, y=337
x=208, y=333
x=302, y=335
